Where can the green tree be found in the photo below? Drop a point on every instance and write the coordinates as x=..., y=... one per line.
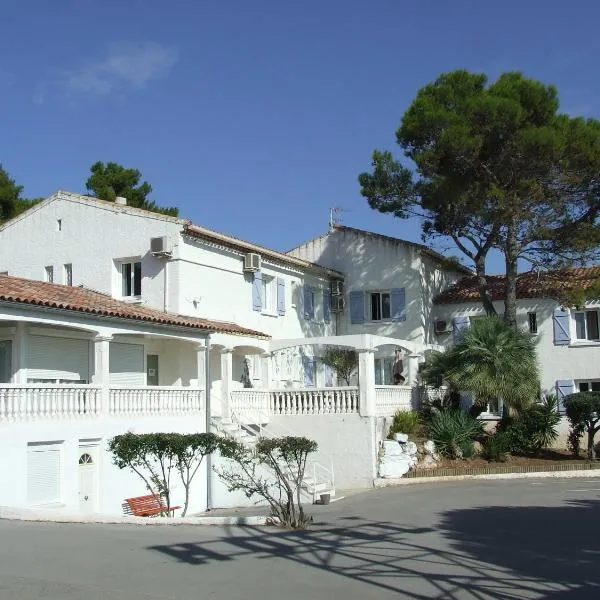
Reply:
x=492, y=360
x=10, y=195
x=342, y=360
x=109, y=180
x=495, y=166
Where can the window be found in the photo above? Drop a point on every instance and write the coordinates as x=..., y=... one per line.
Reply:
x=586, y=325
x=589, y=386
x=49, y=274
x=58, y=224
x=381, y=306
x=268, y=293
x=383, y=371
x=68, y=279
x=131, y=279
x=532, y=322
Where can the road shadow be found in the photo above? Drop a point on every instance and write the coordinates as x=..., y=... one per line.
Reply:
x=499, y=553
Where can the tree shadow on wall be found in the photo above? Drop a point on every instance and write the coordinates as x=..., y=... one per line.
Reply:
x=496, y=552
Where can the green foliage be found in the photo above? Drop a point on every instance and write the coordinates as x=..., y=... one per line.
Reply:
x=23, y=204
x=492, y=360
x=10, y=195
x=405, y=421
x=110, y=180
x=274, y=470
x=574, y=439
x=452, y=431
x=154, y=456
x=496, y=167
x=342, y=360
x=583, y=412
x=497, y=447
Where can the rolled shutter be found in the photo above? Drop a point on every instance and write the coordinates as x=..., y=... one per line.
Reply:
x=52, y=357
x=257, y=292
x=309, y=371
x=327, y=305
x=43, y=474
x=398, y=298
x=357, y=307
x=126, y=364
x=328, y=376
x=459, y=325
x=280, y=296
x=309, y=307
x=561, y=322
x=564, y=387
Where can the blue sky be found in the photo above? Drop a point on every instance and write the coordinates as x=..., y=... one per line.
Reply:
x=256, y=117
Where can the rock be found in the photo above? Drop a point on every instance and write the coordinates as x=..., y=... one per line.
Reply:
x=401, y=437
x=429, y=447
x=477, y=447
x=428, y=462
x=389, y=469
x=392, y=448
x=411, y=449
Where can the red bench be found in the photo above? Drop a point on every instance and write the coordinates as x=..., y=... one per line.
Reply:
x=147, y=506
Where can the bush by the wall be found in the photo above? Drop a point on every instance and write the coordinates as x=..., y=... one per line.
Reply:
x=452, y=431
x=583, y=412
x=405, y=421
x=497, y=447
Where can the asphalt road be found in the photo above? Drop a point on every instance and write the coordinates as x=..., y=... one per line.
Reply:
x=476, y=540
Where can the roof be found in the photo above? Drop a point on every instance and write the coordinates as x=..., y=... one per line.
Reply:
x=529, y=285
x=76, y=299
x=425, y=249
x=242, y=246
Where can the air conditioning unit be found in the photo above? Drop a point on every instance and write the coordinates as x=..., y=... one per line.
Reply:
x=251, y=262
x=337, y=303
x=160, y=246
x=441, y=327
x=337, y=288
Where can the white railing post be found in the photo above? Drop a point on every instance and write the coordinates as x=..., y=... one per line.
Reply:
x=102, y=370
x=366, y=382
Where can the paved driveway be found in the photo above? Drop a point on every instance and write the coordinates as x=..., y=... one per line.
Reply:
x=497, y=540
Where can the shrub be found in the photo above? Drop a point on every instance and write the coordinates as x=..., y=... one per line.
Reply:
x=454, y=430
x=583, y=412
x=405, y=421
x=534, y=428
x=497, y=447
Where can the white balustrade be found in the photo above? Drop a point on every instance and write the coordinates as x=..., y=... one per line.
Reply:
x=391, y=398
x=36, y=401
x=314, y=401
x=155, y=400
x=249, y=402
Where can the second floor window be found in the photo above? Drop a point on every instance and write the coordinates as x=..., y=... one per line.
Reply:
x=131, y=279
x=49, y=273
x=68, y=274
x=381, y=306
x=586, y=325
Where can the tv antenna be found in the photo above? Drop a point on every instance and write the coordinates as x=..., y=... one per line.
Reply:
x=335, y=216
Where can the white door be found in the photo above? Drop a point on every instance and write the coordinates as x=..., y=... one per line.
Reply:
x=88, y=477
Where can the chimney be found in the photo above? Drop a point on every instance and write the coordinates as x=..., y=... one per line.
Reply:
x=121, y=200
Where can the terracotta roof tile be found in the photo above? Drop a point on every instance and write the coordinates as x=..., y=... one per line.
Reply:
x=39, y=293
x=529, y=285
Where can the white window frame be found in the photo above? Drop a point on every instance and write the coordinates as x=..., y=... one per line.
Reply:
x=369, y=309
x=589, y=383
x=583, y=340
x=49, y=274
x=68, y=273
x=380, y=370
x=120, y=265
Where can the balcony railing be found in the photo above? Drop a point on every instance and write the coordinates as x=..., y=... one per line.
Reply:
x=155, y=400
x=391, y=398
x=314, y=401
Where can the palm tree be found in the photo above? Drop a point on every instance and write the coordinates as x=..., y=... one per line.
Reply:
x=492, y=361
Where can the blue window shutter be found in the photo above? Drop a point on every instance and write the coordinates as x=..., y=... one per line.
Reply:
x=328, y=376
x=564, y=387
x=357, y=307
x=257, y=292
x=280, y=296
x=309, y=371
x=326, y=305
x=398, y=298
x=560, y=320
x=309, y=305
x=459, y=324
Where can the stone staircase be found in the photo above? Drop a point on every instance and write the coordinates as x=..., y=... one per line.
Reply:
x=318, y=478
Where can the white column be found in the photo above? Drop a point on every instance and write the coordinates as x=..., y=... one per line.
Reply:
x=102, y=369
x=413, y=368
x=265, y=371
x=200, y=366
x=20, y=353
x=226, y=380
x=366, y=382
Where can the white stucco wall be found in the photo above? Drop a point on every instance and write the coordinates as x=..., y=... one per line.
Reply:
x=91, y=238
x=114, y=485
